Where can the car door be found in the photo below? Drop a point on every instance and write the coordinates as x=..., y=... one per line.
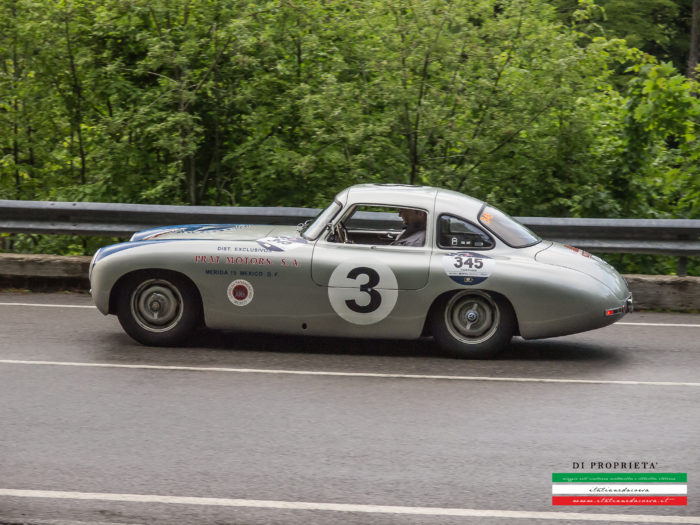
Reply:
x=364, y=280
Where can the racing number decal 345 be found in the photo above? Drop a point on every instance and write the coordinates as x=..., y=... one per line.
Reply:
x=467, y=267
x=363, y=292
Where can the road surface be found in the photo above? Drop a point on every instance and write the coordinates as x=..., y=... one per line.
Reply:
x=255, y=429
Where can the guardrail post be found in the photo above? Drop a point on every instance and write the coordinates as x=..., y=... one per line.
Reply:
x=682, y=266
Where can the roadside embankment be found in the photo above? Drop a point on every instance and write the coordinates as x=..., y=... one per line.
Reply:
x=665, y=292
x=44, y=273
x=58, y=273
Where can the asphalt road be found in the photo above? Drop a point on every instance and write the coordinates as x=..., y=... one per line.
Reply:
x=252, y=429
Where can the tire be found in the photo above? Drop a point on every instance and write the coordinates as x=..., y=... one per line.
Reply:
x=472, y=324
x=158, y=309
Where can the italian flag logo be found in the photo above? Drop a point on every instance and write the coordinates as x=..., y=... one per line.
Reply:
x=619, y=488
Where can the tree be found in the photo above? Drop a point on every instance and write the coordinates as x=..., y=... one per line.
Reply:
x=694, y=40
x=284, y=102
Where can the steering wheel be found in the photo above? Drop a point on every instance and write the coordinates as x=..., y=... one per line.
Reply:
x=341, y=233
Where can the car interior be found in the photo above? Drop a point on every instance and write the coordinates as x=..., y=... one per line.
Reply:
x=454, y=232
x=372, y=225
x=382, y=225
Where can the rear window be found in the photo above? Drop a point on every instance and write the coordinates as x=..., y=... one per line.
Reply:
x=456, y=233
x=507, y=228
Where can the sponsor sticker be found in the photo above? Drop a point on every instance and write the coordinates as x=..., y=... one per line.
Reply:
x=587, y=255
x=240, y=292
x=578, y=250
x=468, y=268
x=281, y=243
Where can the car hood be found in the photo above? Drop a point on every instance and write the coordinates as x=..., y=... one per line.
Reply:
x=575, y=259
x=228, y=232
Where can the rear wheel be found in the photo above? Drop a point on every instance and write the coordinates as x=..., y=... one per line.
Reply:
x=158, y=309
x=473, y=324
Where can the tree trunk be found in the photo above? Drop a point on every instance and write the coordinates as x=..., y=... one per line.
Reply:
x=694, y=41
x=15, y=107
x=77, y=116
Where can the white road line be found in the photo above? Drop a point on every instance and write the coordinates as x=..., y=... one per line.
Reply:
x=347, y=507
x=658, y=324
x=48, y=305
x=344, y=374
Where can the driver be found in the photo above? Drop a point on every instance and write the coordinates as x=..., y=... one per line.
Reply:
x=414, y=222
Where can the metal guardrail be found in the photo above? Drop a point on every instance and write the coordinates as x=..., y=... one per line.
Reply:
x=122, y=220
x=677, y=237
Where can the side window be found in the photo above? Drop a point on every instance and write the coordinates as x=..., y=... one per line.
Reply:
x=381, y=225
x=374, y=218
x=454, y=232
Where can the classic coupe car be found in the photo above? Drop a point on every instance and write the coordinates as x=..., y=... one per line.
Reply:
x=382, y=261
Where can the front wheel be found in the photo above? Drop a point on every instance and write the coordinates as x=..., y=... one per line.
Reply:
x=160, y=309
x=472, y=324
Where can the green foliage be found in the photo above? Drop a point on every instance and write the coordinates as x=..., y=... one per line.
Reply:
x=285, y=102
x=658, y=27
x=651, y=264
x=54, y=244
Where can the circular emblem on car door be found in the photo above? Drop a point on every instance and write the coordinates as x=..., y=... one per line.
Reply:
x=363, y=292
x=240, y=292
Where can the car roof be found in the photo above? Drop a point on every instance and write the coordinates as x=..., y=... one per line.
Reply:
x=445, y=201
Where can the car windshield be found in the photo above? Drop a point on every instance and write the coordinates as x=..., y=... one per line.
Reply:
x=313, y=230
x=507, y=228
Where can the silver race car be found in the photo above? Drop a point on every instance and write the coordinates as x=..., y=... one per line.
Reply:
x=382, y=261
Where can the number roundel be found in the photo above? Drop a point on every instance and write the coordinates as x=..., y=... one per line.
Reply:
x=468, y=268
x=363, y=292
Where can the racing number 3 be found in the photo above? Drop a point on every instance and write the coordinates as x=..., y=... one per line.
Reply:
x=363, y=291
x=375, y=298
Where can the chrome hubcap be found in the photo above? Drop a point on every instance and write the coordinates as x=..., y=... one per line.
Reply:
x=156, y=305
x=472, y=317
